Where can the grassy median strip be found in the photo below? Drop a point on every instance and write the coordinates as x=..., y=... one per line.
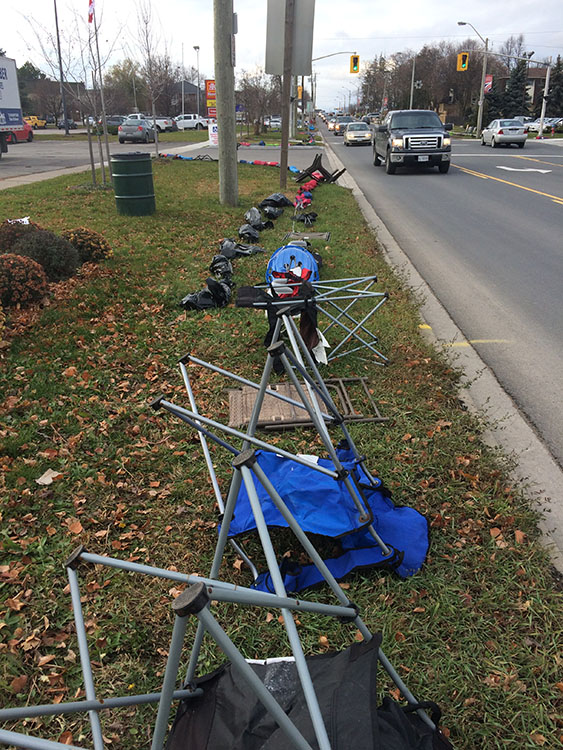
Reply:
x=477, y=630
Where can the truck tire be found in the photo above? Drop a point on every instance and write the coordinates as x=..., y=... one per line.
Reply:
x=389, y=166
x=199, y=126
x=443, y=168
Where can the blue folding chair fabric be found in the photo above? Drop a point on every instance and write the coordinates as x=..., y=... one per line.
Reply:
x=322, y=505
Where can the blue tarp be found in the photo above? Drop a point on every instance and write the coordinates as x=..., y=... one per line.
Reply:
x=322, y=505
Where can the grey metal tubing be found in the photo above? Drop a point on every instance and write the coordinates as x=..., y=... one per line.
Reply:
x=332, y=582
x=85, y=658
x=218, y=590
x=306, y=544
x=211, y=469
x=251, y=678
x=344, y=313
x=32, y=743
x=348, y=483
x=215, y=566
x=328, y=398
x=170, y=677
x=290, y=626
x=198, y=426
x=179, y=411
x=365, y=344
x=77, y=707
x=249, y=383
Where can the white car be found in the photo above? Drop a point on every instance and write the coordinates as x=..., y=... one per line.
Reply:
x=357, y=134
x=191, y=122
x=505, y=131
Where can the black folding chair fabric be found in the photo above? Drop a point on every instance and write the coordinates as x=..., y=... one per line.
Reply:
x=228, y=715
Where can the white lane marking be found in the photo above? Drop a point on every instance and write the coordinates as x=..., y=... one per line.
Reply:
x=528, y=169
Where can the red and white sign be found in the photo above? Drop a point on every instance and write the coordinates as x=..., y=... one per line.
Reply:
x=210, y=89
x=212, y=112
x=90, y=11
x=488, y=87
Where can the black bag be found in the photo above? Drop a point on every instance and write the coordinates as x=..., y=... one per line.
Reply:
x=228, y=715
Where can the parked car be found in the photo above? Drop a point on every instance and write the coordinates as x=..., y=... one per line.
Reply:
x=505, y=131
x=136, y=130
x=411, y=138
x=275, y=123
x=340, y=124
x=357, y=134
x=162, y=123
x=20, y=135
x=35, y=122
x=70, y=124
x=191, y=122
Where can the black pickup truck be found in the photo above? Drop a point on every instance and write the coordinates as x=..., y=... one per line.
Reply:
x=412, y=137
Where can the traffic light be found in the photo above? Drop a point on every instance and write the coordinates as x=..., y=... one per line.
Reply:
x=463, y=61
x=354, y=63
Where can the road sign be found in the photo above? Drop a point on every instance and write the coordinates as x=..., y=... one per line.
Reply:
x=463, y=61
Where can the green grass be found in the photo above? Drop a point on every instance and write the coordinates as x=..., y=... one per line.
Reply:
x=477, y=630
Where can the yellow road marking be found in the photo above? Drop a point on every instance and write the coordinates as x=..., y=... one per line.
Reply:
x=555, y=198
x=480, y=341
x=539, y=161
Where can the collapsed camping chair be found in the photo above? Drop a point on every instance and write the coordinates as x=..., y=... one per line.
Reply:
x=342, y=499
x=344, y=331
x=317, y=702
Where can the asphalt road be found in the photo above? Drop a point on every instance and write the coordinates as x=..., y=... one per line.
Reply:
x=487, y=237
x=43, y=155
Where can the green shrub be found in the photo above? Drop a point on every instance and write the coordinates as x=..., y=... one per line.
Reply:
x=10, y=233
x=90, y=245
x=57, y=256
x=22, y=280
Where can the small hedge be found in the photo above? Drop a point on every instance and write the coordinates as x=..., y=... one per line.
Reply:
x=91, y=246
x=11, y=232
x=58, y=257
x=22, y=280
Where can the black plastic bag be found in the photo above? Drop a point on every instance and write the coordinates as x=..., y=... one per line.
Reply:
x=272, y=212
x=247, y=232
x=276, y=199
x=307, y=218
x=215, y=294
x=221, y=267
x=230, y=248
x=253, y=217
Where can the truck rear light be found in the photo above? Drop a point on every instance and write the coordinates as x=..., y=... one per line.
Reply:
x=139, y=127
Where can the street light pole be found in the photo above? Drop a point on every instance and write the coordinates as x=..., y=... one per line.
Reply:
x=196, y=47
x=483, y=74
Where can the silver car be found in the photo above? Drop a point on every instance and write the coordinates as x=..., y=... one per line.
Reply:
x=136, y=131
x=357, y=134
x=505, y=131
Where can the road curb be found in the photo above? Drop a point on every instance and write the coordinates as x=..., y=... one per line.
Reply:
x=536, y=472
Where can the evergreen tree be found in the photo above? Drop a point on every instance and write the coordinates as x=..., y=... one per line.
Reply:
x=554, y=106
x=516, y=100
x=492, y=108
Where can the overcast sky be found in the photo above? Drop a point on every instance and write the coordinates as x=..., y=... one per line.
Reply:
x=366, y=27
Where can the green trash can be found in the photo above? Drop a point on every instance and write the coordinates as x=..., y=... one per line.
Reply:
x=133, y=184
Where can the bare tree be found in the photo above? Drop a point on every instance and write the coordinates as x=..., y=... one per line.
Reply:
x=153, y=70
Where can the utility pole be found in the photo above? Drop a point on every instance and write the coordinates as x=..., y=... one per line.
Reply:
x=183, y=85
x=223, y=22
x=545, y=94
x=412, y=82
x=286, y=90
x=63, y=98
